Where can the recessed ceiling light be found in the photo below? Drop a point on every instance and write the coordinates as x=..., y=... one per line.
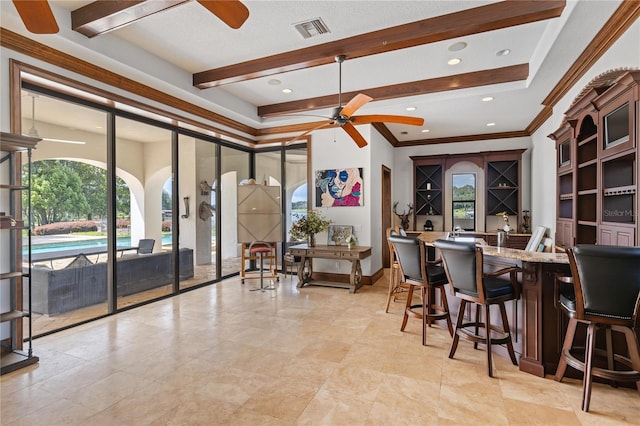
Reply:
x=487, y=99
x=457, y=46
x=491, y=124
x=404, y=132
x=411, y=108
x=503, y=52
x=425, y=130
x=287, y=90
x=274, y=82
x=454, y=61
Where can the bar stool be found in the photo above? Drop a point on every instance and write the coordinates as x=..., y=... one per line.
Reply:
x=416, y=271
x=259, y=248
x=606, y=284
x=395, y=283
x=463, y=263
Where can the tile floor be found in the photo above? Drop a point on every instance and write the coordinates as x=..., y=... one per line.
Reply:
x=313, y=356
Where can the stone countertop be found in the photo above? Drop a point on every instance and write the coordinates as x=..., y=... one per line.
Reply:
x=503, y=252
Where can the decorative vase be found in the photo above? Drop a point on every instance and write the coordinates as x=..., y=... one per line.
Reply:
x=311, y=240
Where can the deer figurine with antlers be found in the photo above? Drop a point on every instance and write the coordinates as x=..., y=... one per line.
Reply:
x=404, y=217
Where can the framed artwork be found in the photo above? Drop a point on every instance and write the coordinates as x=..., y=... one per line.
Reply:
x=338, y=234
x=536, y=239
x=339, y=187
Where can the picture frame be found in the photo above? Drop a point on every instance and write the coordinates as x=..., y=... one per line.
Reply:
x=339, y=187
x=536, y=238
x=337, y=235
x=546, y=245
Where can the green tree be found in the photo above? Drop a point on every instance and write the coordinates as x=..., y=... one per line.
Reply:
x=123, y=198
x=94, y=187
x=166, y=200
x=57, y=192
x=464, y=193
x=63, y=189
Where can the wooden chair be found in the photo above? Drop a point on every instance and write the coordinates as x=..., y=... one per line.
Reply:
x=416, y=271
x=463, y=263
x=606, y=296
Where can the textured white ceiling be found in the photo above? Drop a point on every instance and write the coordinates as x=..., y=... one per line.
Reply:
x=170, y=46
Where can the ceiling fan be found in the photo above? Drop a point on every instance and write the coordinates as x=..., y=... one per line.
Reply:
x=343, y=115
x=38, y=17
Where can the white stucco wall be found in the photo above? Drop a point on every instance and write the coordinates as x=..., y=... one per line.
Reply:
x=334, y=149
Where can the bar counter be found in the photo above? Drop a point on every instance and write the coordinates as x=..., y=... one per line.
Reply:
x=540, y=328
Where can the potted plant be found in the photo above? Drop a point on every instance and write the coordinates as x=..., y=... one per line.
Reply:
x=308, y=226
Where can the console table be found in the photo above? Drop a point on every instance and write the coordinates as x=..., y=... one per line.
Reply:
x=353, y=254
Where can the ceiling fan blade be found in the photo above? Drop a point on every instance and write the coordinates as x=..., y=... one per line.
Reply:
x=231, y=12
x=382, y=118
x=355, y=135
x=37, y=16
x=321, y=126
x=354, y=104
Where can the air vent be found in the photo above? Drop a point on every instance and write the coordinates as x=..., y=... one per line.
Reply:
x=312, y=28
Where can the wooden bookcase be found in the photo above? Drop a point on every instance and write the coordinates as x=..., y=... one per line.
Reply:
x=502, y=180
x=597, y=169
x=429, y=188
x=15, y=276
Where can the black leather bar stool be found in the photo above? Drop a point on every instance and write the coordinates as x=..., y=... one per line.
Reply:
x=463, y=263
x=416, y=271
x=606, y=283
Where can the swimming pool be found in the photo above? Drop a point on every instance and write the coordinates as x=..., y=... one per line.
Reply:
x=84, y=244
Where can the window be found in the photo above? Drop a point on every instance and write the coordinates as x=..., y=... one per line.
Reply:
x=464, y=201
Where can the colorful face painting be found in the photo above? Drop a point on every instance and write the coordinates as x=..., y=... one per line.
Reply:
x=339, y=187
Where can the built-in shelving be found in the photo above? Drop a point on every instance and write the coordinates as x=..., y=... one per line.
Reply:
x=15, y=285
x=597, y=194
x=501, y=192
x=428, y=189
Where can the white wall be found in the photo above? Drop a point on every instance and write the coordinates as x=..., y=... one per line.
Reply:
x=334, y=149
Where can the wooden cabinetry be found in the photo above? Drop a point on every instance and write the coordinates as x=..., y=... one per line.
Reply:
x=503, y=187
x=429, y=188
x=597, y=193
x=500, y=191
x=15, y=272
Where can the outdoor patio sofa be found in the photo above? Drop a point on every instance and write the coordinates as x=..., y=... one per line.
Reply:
x=56, y=291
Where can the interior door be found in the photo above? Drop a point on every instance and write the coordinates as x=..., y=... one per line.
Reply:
x=386, y=213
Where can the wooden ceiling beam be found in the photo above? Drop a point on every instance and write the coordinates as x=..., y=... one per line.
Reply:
x=458, y=24
x=103, y=16
x=441, y=84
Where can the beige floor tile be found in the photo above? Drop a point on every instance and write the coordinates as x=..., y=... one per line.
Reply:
x=61, y=412
x=335, y=408
x=529, y=413
x=223, y=355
